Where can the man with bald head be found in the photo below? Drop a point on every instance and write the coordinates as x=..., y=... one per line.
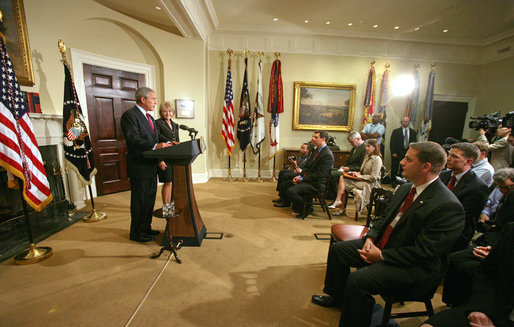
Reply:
x=400, y=140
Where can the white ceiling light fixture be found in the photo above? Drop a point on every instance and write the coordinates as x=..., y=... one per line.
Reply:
x=306, y=21
x=403, y=85
x=275, y=19
x=416, y=29
x=327, y=22
x=445, y=31
x=157, y=8
x=350, y=24
x=397, y=27
x=375, y=26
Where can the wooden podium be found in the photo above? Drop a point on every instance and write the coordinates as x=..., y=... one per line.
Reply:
x=188, y=226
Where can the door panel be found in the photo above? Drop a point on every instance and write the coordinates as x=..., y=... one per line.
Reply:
x=109, y=94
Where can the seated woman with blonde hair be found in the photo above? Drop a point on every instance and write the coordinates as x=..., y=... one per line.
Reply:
x=360, y=183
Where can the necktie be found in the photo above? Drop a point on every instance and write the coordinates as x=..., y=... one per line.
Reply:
x=389, y=228
x=150, y=121
x=451, y=184
x=405, y=138
x=315, y=155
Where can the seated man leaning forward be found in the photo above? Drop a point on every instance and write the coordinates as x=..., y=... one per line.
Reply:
x=314, y=177
x=285, y=176
x=405, y=249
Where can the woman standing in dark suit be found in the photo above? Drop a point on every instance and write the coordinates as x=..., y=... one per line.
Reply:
x=168, y=130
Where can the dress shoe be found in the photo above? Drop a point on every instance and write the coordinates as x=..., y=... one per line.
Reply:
x=325, y=301
x=152, y=232
x=307, y=212
x=282, y=204
x=142, y=238
x=278, y=200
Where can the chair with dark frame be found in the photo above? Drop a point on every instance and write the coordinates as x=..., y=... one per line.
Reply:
x=320, y=197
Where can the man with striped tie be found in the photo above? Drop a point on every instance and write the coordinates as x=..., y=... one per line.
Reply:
x=407, y=246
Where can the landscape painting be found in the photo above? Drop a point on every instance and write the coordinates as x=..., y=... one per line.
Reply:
x=326, y=106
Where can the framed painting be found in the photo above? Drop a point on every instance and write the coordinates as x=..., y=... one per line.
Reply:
x=325, y=106
x=15, y=31
x=185, y=108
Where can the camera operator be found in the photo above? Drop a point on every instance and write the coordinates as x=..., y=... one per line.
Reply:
x=501, y=151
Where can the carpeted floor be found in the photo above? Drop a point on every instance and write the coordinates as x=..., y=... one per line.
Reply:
x=262, y=273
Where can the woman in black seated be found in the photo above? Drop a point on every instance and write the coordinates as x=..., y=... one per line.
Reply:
x=363, y=181
x=168, y=130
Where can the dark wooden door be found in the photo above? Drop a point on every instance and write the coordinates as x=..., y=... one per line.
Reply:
x=109, y=94
x=448, y=119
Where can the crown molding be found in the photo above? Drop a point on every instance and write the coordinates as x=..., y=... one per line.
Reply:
x=358, y=47
x=193, y=18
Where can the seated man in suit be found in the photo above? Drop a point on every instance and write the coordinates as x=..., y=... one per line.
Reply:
x=491, y=301
x=481, y=166
x=353, y=163
x=407, y=246
x=285, y=176
x=314, y=177
x=464, y=263
x=400, y=140
x=471, y=191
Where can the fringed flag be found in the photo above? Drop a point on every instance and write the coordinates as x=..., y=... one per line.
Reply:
x=369, y=97
x=426, y=124
x=412, y=101
x=77, y=144
x=244, y=125
x=275, y=105
x=384, y=95
x=258, y=133
x=228, y=129
x=19, y=151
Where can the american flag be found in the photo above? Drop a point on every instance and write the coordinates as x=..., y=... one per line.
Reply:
x=228, y=114
x=19, y=152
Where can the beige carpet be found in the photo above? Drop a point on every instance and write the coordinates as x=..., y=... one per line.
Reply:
x=262, y=273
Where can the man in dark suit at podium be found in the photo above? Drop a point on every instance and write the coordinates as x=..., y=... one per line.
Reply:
x=400, y=140
x=141, y=134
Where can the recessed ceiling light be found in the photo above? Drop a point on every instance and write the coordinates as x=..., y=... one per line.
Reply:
x=158, y=8
x=306, y=21
x=275, y=19
x=328, y=23
x=396, y=27
x=445, y=31
x=350, y=24
x=417, y=28
x=375, y=26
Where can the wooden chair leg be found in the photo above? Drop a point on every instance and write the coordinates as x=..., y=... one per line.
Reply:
x=324, y=206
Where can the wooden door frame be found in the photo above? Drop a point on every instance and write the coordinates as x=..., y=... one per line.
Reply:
x=79, y=58
x=470, y=100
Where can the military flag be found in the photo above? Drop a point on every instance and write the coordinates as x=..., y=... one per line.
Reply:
x=275, y=105
x=19, y=151
x=77, y=144
x=244, y=125
x=384, y=95
x=258, y=133
x=369, y=97
x=412, y=101
x=426, y=123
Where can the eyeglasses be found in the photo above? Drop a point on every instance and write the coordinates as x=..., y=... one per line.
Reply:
x=506, y=187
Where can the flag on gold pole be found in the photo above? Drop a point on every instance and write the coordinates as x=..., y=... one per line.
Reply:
x=369, y=97
x=275, y=104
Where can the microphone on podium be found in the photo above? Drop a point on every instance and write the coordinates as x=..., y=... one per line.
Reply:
x=191, y=130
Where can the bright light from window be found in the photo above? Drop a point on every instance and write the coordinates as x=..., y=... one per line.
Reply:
x=403, y=85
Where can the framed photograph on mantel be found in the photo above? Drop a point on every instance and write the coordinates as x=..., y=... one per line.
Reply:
x=17, y=42
x=185, y=108
x=325, y=106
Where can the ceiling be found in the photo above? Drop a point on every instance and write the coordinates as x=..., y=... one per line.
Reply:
x=471, y=22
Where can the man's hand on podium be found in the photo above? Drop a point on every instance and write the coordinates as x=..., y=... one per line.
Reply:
x=162, y=145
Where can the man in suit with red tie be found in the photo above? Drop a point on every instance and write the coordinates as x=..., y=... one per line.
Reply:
x=471, y=190
x=315, y=175
x=141, y=134
x=407, y=246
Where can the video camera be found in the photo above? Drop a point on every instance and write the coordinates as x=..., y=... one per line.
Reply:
x=491, y=122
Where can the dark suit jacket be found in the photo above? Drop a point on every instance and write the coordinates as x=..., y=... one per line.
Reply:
x=425, y=233
x=472, y=193
x=317, y=169
x=354, y=161
x=139, y=138
x=396, y=142
x=167, y=133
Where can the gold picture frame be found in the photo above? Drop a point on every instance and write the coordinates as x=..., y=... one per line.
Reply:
x=325, y=106
x=17, y=41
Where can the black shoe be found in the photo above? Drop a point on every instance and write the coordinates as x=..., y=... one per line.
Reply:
x=142, y=238
x=152, y=232
x=307, y=212
x=282, y=204
x=278, y=200
x=325, y=301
